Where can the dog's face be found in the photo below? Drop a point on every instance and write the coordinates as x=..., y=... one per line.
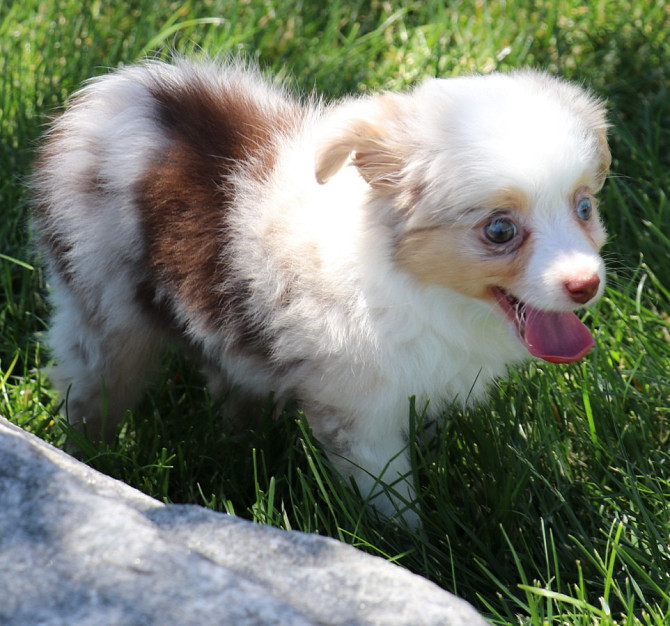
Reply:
x=493, y=181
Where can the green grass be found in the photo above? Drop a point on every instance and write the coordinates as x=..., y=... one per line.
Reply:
x=548, y=505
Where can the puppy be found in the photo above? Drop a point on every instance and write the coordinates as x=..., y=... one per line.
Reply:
x=347, y=256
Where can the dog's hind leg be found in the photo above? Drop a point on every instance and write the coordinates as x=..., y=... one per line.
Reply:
x=103, y=359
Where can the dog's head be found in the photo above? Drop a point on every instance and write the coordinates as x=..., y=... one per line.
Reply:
x=491, y=182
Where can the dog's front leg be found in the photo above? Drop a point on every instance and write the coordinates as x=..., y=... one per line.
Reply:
x=379, y=463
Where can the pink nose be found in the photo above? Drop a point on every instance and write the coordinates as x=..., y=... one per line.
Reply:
x=581, y=289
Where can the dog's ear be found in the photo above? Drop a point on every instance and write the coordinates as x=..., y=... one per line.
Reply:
x=368, y=134
x=594, y=114
x=605, y=156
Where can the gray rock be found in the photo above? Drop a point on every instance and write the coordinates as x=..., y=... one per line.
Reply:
x=77, y=547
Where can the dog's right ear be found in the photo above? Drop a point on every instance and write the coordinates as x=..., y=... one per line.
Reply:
x=367, y=134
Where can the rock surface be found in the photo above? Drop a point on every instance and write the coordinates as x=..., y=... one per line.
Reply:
x=77, y=547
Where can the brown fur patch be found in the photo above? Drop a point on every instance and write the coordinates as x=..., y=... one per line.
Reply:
x=452, y=257
x=185, y=193
x=509, y=200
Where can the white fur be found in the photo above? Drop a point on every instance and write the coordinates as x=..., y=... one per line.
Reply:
x=362, y=334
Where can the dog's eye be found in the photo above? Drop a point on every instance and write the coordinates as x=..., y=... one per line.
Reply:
x=584, y=208
x=500, y=230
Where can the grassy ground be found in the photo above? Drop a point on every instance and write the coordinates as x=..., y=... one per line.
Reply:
x=550, y=504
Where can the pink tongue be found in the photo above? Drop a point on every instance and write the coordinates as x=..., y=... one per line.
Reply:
x=559, y=337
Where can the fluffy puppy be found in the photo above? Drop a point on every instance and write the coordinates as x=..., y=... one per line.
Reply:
x=347, y=256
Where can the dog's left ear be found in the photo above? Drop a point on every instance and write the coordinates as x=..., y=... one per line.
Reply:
x=605, y=156
x=368, y=134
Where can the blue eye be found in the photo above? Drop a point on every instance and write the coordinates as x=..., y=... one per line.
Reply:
x=500, y=230
x=584, y=208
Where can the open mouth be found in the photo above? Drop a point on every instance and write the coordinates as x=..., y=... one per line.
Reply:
x=555, y=336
